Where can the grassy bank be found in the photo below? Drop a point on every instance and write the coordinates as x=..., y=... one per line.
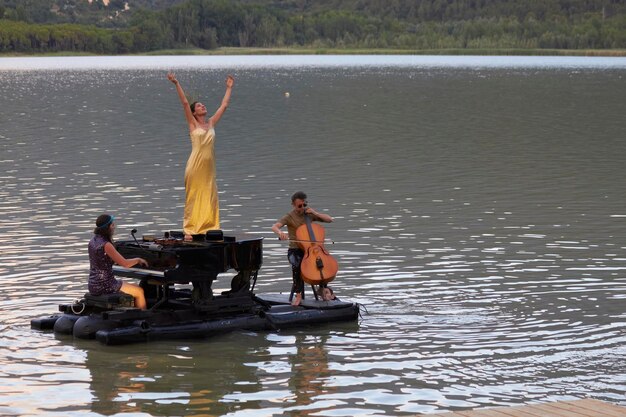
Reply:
x=355, y=51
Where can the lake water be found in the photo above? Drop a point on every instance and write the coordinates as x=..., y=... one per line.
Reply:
x=480, y=220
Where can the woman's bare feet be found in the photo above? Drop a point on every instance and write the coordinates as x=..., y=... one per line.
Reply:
x=297, y=300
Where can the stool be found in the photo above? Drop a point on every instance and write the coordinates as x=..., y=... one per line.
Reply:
x=109, y=301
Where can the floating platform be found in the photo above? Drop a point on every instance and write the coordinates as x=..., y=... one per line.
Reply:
x=576, y=408
x=177, y=284
x=111, y=321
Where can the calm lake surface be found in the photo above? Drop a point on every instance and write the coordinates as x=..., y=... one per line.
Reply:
x=480, y=220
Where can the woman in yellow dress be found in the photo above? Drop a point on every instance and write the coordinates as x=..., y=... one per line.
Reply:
x=202, y=211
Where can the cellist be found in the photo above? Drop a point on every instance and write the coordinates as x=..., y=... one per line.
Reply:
x=294, y=219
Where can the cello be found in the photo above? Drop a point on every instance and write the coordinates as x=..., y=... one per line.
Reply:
x=318, y=267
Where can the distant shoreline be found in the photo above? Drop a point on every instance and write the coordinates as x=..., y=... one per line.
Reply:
x=352, y=51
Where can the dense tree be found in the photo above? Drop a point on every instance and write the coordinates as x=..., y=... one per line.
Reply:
x=44, y=25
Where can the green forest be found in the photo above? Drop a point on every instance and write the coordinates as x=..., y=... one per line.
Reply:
x=140, y=26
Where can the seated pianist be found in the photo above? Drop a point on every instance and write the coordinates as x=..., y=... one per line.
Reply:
x=102, y=256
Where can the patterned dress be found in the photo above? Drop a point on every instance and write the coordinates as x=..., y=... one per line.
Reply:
x=101, y=279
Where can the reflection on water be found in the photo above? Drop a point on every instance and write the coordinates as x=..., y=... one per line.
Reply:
x=479, y=218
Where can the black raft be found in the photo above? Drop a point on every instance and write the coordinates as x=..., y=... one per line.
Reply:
x=181, y=303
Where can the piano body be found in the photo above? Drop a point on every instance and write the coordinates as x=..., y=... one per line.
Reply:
x=171, y=260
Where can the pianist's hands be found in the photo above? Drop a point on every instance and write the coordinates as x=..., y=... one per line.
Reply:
x=141, y=261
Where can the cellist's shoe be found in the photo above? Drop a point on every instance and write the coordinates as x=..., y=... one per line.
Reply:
x=328, y=294
x=296, y=301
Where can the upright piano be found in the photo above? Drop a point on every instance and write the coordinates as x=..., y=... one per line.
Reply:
x=172, y=260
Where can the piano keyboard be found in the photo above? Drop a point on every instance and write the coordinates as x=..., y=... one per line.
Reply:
x=137, y=272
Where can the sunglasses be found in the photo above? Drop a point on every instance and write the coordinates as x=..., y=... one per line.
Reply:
x=302, y=205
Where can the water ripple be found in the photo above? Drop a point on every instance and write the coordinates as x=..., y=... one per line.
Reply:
x=476, y=222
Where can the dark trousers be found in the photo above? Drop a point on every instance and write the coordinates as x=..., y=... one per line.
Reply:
x=295, y=259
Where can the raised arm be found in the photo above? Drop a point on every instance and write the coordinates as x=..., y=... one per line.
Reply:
x=230, y=81
x=191, y=121
x=323, y=217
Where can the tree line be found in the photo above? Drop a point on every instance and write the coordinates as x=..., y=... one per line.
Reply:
x=80, y=26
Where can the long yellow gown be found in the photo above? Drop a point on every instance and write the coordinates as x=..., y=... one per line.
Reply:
x=202, y=211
